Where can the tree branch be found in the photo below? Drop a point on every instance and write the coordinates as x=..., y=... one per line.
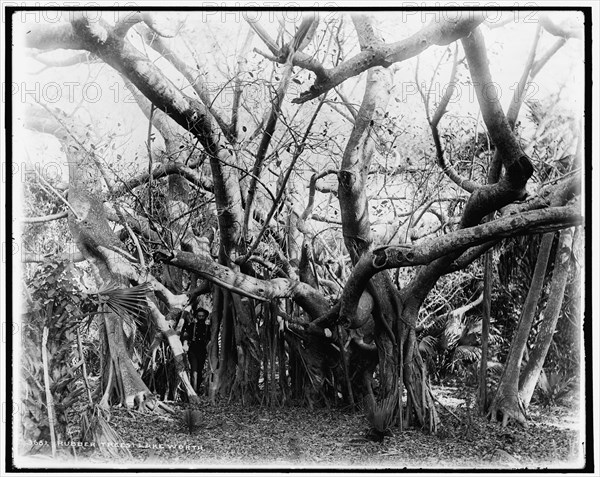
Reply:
x=264, y=290
x=527, y=223
x=436, y=33
x=45, y=218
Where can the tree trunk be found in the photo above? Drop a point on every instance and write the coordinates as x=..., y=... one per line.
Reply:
x=248, y=348
x=485, y=331
x=531, y=373
x=507, y=399
x=227, y=352
x=357, y=228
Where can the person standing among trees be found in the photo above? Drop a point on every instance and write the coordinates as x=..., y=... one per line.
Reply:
x=194, y=337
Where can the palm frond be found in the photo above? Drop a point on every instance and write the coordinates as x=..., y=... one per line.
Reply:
x=126, y=302
x=495, y=367
x=467, y=354
x=381, y=414
x=427, y=345
x=455, y=327
x=435, y=325
x=96, y=429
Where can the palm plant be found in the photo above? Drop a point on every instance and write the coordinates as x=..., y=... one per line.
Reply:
x=381, y=416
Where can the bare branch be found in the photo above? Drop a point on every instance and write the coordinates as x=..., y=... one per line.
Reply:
x=83, y=57
x=30, y=257
x=53, y=37
x=566, y=29
x=280, y=54
x=193, y=76
x=447, y=168
x=367, y=38
x=539, y=64
x=519, y=94
x=491, y=110
x=133, y=18
x=242, y=61
x=266, y=139
x=297, y=153
x=311, y=198
x=45, y=218
x=436, y=33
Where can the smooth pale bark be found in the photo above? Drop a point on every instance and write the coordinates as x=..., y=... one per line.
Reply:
x=378, y=53
x=451, y=245
x=506, y=399
x=562, y=262
x=110, y=262
x=356, y=226
x=507, y=389
x=109, y=44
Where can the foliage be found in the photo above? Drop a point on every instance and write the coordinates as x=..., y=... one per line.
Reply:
x=406, y=203
x=450, y=342
x=52, y=302
x=380, y=415
x=553, y=386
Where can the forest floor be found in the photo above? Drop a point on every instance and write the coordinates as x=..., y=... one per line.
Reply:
x=252, y=437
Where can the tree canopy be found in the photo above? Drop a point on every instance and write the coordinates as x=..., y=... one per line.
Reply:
x=321, y=188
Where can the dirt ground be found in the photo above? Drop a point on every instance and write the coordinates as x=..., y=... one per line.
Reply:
x=232, y=436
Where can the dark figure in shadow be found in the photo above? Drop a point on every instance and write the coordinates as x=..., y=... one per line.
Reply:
x=194, y=337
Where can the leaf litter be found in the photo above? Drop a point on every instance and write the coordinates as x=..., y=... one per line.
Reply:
x=232, y=435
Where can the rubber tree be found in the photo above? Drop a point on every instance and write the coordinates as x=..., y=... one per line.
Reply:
x=369, y=299
x=111, y=263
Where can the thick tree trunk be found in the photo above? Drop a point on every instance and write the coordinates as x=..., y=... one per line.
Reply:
x=507, y=398
x=531, y=373
x=357, y=227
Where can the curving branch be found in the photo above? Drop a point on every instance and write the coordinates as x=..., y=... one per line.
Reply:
x=130, y=19
x=381, y=54
x=280, y=55
x=100, y=39
x=53, y=37
x=265, y=142
x=83, y=57
x=385, y=258
x=519, y=94
x=163, y=170
x=311, y=300
x=31, y=257
x=193, y=76
x=45, y=218
x=445, y=166
x=312, y=188
x=565, y=29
